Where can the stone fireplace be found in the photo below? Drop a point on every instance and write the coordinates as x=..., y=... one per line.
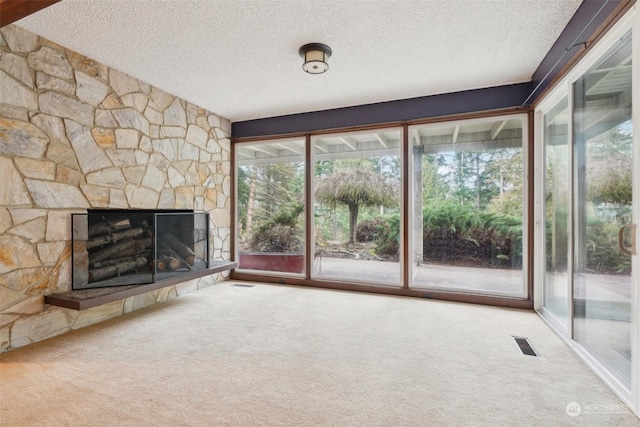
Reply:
x=78, y=137
x=117, y=247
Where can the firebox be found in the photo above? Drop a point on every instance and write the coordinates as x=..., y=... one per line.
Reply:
x=123, y=247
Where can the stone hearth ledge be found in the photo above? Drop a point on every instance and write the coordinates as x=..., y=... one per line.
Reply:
x=86, y=298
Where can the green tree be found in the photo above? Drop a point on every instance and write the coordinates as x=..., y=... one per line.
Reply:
x=243, y=196
x=433, y=188
x=278, y=186
x=354, y=187
x=264, y=192
x=609, y=170
x=504, y=176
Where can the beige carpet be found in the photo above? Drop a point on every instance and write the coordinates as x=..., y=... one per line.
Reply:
x=285, y=356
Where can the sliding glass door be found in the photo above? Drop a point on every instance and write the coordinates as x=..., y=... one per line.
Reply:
x=603, y=167
x=587, y=177
x=556, y=185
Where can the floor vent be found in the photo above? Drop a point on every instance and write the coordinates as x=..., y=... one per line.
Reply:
x=525, y=346
x=241, y=285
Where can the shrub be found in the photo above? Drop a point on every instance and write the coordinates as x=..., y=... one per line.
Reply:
x=454, y=233
x=281, y=233
x=278, y=238
x=603, y=255
x=371, y=229
x=388, y=240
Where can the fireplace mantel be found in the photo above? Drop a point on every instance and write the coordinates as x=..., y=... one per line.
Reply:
x=100, y=231
x=87, y=298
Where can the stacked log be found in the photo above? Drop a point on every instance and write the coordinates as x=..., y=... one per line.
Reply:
x=105, y=239
x=106, y=227
x=169, y=254
x=108, y=262
x=185, y=252
x=112, y=251
x=117, y=269
x=168, y=263
x=117, y=248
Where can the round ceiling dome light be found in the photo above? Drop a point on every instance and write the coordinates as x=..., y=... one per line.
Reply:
x=315, y=57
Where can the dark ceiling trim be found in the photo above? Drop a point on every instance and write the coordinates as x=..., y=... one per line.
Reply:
x=574, y=40
x=13, y=10
x=590, y=16
x=403, y=110
x=579, y=51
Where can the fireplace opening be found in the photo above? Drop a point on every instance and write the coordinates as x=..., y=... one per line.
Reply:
x=122, y=247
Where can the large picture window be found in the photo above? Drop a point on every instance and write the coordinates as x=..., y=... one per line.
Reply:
x=467, y=191
x=356, y=219
x=270, y=206
x=334, y=207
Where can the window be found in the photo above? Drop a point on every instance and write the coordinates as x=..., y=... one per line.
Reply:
x=270, y=206
x=587, y=165
x=357, y=207
x=468, y=195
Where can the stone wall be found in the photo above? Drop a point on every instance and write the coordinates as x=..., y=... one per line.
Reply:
x=76, y=134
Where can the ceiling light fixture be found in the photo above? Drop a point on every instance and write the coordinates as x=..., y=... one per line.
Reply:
x=315, y=57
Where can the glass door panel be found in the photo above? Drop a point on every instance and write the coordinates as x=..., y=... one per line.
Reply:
x=357, y=203
x=603, y=162
x=467, y=190
x=556, y=211
x=270, y=206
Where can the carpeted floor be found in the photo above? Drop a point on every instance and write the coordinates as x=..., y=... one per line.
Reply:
x=284, y=356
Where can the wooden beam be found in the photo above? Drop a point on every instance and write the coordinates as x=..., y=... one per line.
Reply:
x=266, y=150
x=244, y=152
x=322, y=146
x=456, y=131
x=472, y=146
x=13, y=10
x=381, y=140
x=416, y=137
x=297, y=151
x=497, y=128
x=350, y=143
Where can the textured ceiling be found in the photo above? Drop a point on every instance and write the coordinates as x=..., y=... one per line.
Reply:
x=239, y=58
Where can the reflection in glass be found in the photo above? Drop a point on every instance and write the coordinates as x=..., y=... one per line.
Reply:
x=603, y=162
x=556, y=188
